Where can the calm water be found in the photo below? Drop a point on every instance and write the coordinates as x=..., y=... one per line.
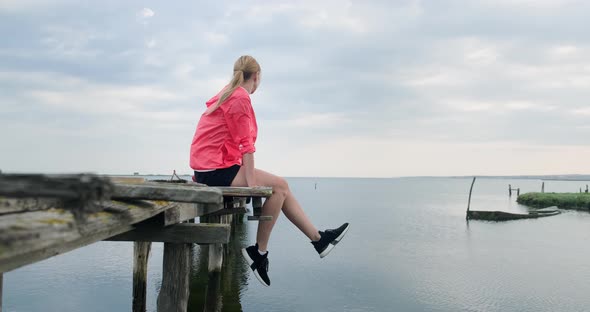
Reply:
x=408, y=249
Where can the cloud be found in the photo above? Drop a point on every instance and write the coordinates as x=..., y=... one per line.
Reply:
x=317, y=120
x=145, y=14
x=369, y=78
x=582, y=111
x=16, y=6
x=151, y=43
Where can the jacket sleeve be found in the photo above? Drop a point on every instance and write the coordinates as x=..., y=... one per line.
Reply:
x=239, y=121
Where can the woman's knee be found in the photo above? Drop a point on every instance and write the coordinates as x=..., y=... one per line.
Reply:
x=281, y=187
x=279, y=184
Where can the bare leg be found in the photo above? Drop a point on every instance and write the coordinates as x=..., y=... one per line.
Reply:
x=297, y=216
x=281, y=199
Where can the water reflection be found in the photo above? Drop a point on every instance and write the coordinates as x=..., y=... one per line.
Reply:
x=220, y=291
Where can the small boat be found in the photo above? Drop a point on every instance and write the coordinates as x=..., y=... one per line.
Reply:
x=506, y=216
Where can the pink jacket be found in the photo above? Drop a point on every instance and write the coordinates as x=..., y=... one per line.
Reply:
x=223, y=136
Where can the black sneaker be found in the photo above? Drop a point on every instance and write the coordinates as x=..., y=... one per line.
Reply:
x=258, y=263
x=329, y=239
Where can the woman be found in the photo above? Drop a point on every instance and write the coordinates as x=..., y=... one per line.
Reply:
x=222, y=154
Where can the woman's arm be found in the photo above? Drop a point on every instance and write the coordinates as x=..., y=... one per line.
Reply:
x=248, y=163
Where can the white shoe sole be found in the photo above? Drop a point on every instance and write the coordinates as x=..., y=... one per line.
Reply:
x=332, y=244
x=250, y=261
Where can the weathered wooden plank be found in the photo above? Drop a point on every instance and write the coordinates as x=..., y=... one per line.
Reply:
x=259, y=218
x=17, y=205
x=74, y=186
x=33, y=236
x=173, y=296
x=184, y=212
x=205, y=209
x=127, y=180
x=262, y=191
x=230, y=211
x=188, y=211
x=246, y=191
x=141, y=252
x=195, y=233
x=172, y=216
x=180, y=193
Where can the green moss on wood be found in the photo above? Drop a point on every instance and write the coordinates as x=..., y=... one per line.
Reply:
x=57, y=210
x=562, y=200
x=54, y=221
x=103, y=216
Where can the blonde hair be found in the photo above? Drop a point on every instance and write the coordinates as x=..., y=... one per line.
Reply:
x=244, y=68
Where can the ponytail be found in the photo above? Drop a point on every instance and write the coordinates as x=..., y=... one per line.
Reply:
x=244, y=67
x=235, y=82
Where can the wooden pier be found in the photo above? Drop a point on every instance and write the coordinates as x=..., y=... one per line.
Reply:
x=42, y=216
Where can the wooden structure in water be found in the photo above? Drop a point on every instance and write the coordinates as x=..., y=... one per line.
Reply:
x=42, y=216
x=506, y=216
x=510, y=189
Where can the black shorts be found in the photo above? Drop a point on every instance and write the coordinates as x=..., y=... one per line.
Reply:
x=218, y=177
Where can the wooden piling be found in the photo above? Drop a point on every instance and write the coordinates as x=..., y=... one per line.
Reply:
x=213, y=293
x=518, y=192
x=469, y=201
x=174, y=292
x=215, y=250
x=509, y=190
x=543, y=187
x=141, y=251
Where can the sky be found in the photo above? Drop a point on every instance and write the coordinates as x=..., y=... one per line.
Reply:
x=349, y=88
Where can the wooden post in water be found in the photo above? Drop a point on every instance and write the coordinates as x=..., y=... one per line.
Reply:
x=509, y=190
x=141, y=252
x=586, y=188
x=215, y=250
x=518, y=192
x=543, y=188
x=469, y=201
x=175, y=278
x=213, y=295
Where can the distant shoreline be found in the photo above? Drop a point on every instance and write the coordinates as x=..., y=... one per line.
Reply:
x=544, y=177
